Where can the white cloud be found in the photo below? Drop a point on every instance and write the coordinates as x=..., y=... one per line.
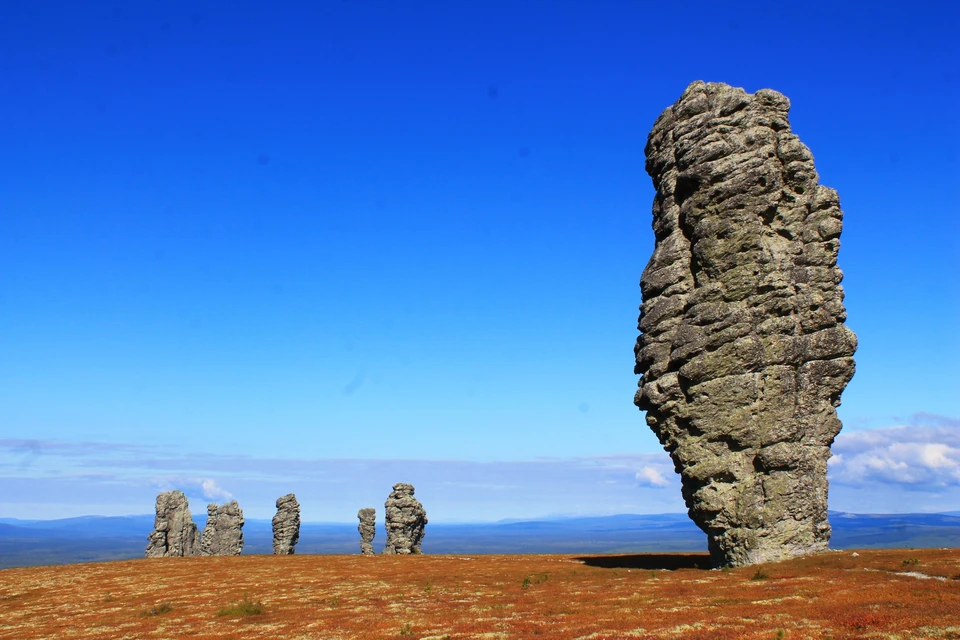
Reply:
x=206, y=487
x=212, y=492
x=924, y=455
x=651, y=477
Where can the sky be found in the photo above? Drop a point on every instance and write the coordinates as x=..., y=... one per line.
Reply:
x=328, y=246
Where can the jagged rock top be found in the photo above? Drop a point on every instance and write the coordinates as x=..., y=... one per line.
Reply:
x=743, y=349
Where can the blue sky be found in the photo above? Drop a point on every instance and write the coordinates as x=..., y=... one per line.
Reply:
x=254, y=249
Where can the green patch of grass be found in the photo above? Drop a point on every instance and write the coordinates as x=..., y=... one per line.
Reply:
x=406, y=630
x=533, y=578
x=760, y=574
x=245, y=607
x=163, y=607
x=910, y=562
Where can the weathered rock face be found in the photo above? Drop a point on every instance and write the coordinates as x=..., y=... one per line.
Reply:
x=743, y=350
x=174, y=533
x=223, y=533
x=406, y=520
x=286, y=525
x=367, y=529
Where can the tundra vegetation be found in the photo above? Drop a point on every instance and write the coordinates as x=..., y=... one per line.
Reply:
x=831, y=595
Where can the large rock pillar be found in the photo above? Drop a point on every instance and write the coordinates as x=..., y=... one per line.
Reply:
x=743, y=350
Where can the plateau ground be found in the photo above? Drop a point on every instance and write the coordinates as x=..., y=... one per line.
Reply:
x=877, y=593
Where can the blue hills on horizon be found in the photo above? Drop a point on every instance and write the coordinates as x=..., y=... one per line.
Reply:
x=103, y=538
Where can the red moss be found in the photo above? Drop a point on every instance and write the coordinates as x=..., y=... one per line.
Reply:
x=833, y=595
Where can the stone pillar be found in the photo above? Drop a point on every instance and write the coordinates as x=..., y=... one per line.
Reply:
x=743, y=348
x=405, y=521
x=367, y=529
x=286, y=525
x=223, y=533
x=174, y=533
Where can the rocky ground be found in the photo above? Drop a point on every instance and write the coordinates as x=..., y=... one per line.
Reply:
x=901, y=593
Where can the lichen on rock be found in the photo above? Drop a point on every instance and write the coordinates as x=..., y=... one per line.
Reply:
x=743, y=350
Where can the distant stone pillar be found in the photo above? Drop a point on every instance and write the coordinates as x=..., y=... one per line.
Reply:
x=286, y=525
x=367, y=529
x=405, y=521
x=223, y=533
x=174, y=533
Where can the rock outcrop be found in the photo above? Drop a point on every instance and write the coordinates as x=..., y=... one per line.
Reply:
x=174, y=533
x=405, y=521
x=223, y=533
x=743, y=349
x=367, y=529
x=286, y=525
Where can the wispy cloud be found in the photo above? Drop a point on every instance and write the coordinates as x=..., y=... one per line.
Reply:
x=333, y=489
x=911, y=466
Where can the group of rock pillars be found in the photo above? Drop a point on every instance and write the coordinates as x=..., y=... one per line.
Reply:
x=175, y=535
x=743, y=352
x=405, y=523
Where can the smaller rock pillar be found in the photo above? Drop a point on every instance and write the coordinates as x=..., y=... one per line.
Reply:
x=286, y=525
x=367, y=529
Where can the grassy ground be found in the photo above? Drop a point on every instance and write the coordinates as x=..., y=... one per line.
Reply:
x=876, y=594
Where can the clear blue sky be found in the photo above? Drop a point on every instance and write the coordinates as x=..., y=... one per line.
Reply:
x=389, y=230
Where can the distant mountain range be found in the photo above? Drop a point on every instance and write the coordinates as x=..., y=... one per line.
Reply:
x=99, y=538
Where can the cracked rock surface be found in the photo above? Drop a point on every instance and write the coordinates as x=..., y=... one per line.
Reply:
x=286, y=525
x=223, y=533
x=367, y=529
x=743, y=351
x=174, y=533
x=405, y=521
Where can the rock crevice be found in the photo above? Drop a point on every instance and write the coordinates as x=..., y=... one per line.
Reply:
x=743, y=351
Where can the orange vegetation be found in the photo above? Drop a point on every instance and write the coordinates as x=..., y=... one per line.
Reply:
x=877, y=594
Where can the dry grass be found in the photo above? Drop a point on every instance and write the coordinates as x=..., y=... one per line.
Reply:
x=834, y=595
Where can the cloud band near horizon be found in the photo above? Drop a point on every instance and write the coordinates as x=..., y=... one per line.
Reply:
x=913, y=466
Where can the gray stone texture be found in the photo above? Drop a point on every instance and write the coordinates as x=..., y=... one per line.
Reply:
x=174, y=533
x=223, y=533
x=286, y=525
x=367, y=529
x=743, y=350
x=405, y=521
